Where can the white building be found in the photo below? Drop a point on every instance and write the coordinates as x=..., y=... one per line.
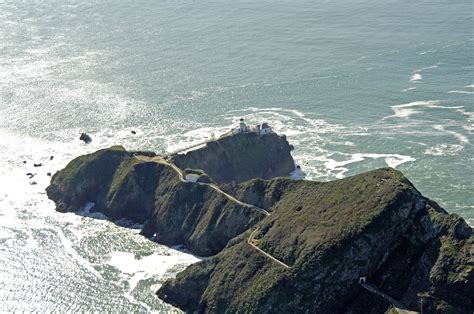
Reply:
x=242, y=128
x=193, y=178
x=264, y=128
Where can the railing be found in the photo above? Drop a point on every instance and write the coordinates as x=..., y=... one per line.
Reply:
x=376, y=291
x=188, y=148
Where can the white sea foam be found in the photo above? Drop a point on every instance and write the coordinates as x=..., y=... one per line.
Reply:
x=6, y=233
x=460, y=92
x=409, y=109
x=408, y=89
x=392, y=160
x=460, y=137
x=151, y=265
x=426, y=52
x=416, y=77
x=154, y=265
x=443, y=150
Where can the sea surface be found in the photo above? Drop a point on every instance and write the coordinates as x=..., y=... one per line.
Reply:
x=355, y=85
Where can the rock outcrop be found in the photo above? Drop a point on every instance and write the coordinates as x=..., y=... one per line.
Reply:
x=374, y=225
x=173, y=212
x=85, y=138
x=241, y=157
x=280, y=245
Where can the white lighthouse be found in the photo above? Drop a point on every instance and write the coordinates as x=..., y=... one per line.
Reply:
x=242, y=128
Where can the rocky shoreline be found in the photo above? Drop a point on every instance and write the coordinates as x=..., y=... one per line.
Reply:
x=244, y=211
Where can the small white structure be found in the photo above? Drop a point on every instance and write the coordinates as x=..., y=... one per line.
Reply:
x=297, y=174
x=193, y=178
x=242, y=128
x=264, y=128
x=362, y=280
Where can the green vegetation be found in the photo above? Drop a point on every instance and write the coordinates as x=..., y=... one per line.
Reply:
x=125, y=168
x=324, y=214
x=375, y=224
x=100, y=164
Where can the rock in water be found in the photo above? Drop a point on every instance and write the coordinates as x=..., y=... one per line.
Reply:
x=38, y=165
x=85, y=138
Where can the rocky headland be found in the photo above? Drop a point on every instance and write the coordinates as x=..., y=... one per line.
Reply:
x=370, y=243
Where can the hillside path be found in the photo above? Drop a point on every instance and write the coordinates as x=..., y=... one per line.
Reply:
x=250, y=239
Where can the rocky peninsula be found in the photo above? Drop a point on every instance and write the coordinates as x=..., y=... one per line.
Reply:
x=370, y=243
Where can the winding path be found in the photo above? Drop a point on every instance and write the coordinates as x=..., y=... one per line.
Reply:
x=250, y=239
x=189, y=147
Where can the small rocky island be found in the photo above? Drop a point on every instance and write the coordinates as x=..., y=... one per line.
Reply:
x=370, y=243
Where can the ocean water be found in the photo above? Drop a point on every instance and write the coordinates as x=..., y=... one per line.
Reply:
x=355, y=85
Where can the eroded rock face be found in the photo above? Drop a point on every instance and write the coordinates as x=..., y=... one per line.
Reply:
x=241, y=157
x=375, y=225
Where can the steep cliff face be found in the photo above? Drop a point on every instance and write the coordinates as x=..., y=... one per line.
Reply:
x=241, y=157
x=374, y=225
x=174, y=212
x=198, y=217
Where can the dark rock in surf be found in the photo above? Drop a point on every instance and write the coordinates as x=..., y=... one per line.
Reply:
x=85, y=138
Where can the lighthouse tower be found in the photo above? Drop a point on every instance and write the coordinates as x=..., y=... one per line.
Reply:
x=242, y=126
